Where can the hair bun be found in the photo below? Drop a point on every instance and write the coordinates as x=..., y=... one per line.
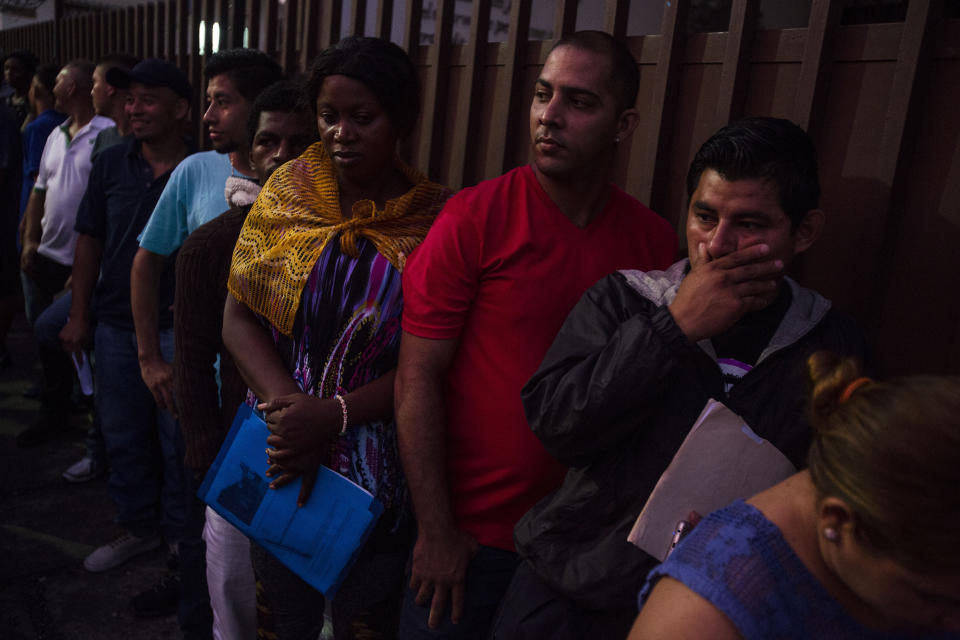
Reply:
x=830, y=375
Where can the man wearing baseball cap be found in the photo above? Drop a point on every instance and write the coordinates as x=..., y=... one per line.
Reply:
x=194, y=195
x=146, y=481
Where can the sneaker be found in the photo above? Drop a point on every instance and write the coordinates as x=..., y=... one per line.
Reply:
x=83, y=470
x=159, y=600
x=115, y=553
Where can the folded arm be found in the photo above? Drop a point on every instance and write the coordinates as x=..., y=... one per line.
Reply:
x=301, y=425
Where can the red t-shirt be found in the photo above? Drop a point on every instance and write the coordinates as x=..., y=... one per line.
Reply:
x=500, y=269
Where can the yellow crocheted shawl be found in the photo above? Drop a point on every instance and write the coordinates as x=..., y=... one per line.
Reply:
x=298, y=212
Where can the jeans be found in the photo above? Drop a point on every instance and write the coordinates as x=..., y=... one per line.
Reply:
x=47, y=331
x=47, y=316
x=144, y=444
x=488, y=576
x=152, y=489
x=39, y=290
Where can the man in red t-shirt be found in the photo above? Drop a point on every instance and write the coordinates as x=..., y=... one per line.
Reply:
x=484, y=296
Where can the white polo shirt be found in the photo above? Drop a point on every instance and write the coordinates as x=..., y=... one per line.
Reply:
x=64, y=171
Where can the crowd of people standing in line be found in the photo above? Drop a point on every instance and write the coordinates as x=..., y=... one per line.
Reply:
x=508, y=369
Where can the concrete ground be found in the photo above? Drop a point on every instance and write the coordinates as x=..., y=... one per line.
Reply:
x=47, y=527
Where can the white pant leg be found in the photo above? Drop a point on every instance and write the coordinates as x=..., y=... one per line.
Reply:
x=233, y=590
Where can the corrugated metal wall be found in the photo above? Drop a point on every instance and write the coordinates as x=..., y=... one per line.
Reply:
x=879, y=99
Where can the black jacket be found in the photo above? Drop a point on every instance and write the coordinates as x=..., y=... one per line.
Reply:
x=614, y=398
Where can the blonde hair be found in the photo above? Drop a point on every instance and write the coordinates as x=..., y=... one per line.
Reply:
x=891, y=451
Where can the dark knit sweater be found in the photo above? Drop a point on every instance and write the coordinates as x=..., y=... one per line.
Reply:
x=202, y=269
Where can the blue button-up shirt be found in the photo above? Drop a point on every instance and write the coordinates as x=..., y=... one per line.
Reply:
x=120, y=197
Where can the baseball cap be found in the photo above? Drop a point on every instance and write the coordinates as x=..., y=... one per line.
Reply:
x=152, y=72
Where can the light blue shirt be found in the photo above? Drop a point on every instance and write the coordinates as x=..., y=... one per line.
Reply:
x=193, y=195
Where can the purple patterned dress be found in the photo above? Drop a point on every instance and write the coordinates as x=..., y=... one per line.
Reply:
x=346, y=334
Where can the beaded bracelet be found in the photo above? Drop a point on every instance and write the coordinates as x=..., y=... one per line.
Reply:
x=343, y=406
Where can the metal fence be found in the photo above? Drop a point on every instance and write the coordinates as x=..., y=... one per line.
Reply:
x=879, y=99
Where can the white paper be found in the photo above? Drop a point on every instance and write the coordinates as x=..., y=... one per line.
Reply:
x=720, y=460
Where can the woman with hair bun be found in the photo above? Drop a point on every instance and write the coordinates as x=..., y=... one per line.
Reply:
x=863, y=544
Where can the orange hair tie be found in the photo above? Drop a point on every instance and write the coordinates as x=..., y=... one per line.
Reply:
x=853, y=386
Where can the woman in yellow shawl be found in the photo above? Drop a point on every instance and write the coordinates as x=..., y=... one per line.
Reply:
x=314, y=314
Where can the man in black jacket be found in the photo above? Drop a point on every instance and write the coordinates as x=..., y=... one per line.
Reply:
x=640, y=355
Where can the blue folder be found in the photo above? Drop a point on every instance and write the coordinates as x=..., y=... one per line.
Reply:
x=318, y=541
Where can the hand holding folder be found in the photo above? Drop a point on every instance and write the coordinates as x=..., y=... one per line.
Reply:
x=720, y=460
x=318, y=541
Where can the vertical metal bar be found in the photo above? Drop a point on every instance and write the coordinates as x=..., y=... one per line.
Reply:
x=662, y=99
x=311, y=27
x=914, y=47
x=466, y=134
x=733, y=77
x=133, y=27
x=74, y=36
x=82, y=48
x=116, y=31
x=234, y=24
x=253, y=23
x=105, y=34
x=615, y=17
x=183, y=18
x=898, y=139
x=411, y=28
x=122, y=31
x=63, y=36
x=78, y=36
x=270, y=46
x=150, y=49
x=358, y=17
x=288, y=52
x=824, y=20
x=565, y=20
x=66, y=37
x=507, y=112
x=94, y=43
x=65, y=40
x=100, y=34
x=167, y=32
x=82, y=33
x=222, y=18
x=435, y=91
x=384, y=19
x=195, y=67
x=332, y=13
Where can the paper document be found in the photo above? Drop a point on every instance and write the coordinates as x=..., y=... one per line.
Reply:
x=720, y=460
x=318, y=541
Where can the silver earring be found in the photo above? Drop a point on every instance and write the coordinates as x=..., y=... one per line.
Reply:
x=831, y=534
